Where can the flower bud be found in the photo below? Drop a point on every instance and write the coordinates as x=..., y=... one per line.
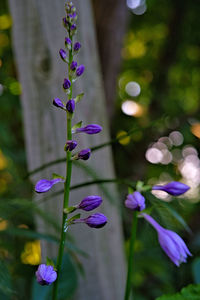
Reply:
x=90, y=129
x=70, y=106
x=63, y=55
x=173, y=188
x=77, y=46
x=90, y=203
x=96, y=220
x=70, y=145
x=135, y=201
x=84, y=154
x=58, y=103
x=66, y=84
x=73, y=28
x=73, y=65
x=44, y=185
x=65, y=23
x=80, y=70
x=68, y=43
x=45, y=275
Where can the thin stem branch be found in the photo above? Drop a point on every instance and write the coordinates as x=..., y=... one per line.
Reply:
x=131, y=255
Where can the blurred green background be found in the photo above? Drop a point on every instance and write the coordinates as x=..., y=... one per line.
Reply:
x=158, y=93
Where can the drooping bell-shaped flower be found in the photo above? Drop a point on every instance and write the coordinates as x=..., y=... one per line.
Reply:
x=45, y=275
x=66, y=84
x=173, y=188
x=135, y=201
x=172, y=244
x=63, y=55
x=84, y=154
x=77, y=47
x=58, y=103
x=70, y=145
x=80, y=70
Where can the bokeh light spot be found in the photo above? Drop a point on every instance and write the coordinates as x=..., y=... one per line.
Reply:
x=131, y=108
x=133, y=89
x=123, y=140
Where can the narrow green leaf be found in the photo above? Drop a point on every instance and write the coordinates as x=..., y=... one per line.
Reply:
x=70, y=209
x=79, y=97
x=77, y=125
x=54, y=176
x=50, y=262
x=69, y=221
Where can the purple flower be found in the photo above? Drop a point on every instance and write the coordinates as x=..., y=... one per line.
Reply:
x=45, y=275
x=96, y=220
x=73, y=27
x=58, y=103
x=84, y=154
x=68, y=42
x=70, y=145
x=77, y=46
x=65, y=23
x=135, y=201
x=90, y=203
x=63, y=55
x=70, y=106
x=90, y=129
x=73, y=65
x=174, y=188
x=44, y=185
x=66, y=84
x=170, y=242
x=80, y=70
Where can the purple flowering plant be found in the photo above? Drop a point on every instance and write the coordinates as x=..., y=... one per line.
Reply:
x=48, y=274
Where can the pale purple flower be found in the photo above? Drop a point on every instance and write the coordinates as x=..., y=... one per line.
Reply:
x=90, y=203
x=80, y=70
x=44, y=185
x=84, y=154
x=172, y=244
x=174, y=188
x=135, y=201
x=45, y=275
x=90, y=129
x=77, y=46
x=73, y=65
x=96, y=220
x=70, y=106
x=63, y=54
x=66, y=84
x=58, y=103
x=70, y=145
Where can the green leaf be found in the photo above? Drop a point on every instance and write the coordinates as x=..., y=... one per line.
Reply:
x=5, y=282
x=69, y=221
x=77, y=125
x=191, y=292
x=54, y=176
x=66, y=286
x=79, y=97
x=70, y=209
x=50, y=262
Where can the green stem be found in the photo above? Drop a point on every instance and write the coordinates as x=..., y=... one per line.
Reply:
x=66, y=190
x=130, y=259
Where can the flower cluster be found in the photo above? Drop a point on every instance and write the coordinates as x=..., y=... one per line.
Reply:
x=46, y=274
x=170, y=242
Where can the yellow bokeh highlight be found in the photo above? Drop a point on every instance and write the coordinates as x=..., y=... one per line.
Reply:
x=15, y=88
x=3, y=161
x=5, y=22
x=32, y=253
x=195, y=129
x=3, y=224
x=123, y=140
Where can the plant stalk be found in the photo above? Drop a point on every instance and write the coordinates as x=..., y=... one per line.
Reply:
x=131, y=255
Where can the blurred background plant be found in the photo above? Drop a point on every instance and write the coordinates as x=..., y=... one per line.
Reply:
x=157, y=100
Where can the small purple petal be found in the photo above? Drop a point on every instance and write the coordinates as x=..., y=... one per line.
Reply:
x=77, y=46
x=90, y=129
x=97, y=220
x=172, y=244
x=135, y=201
x=70, y=106
x=73, y=65
x=66, y=84
x=73, y=27
x=80, y=70
x=173, y=188
x=45, y=275
x=44, y=185
x=63, y=54
x=90, y=203
x=84, y=154
x=70, y=145
x=58, y=103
